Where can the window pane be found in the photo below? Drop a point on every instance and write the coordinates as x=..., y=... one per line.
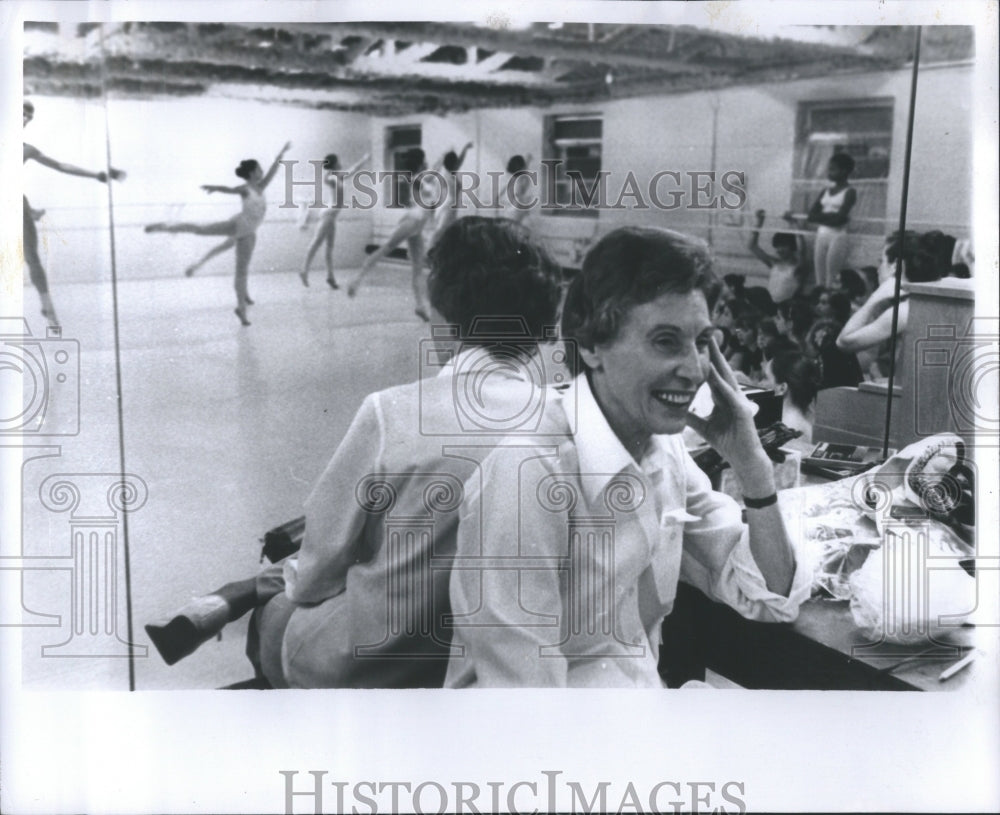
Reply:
x=577, y=129
x=865, y=119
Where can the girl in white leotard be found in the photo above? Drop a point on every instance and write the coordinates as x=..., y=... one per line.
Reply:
x=327, y=228
x=240, y=230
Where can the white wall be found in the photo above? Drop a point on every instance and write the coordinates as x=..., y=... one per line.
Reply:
x=755, y=134
x=170, y=147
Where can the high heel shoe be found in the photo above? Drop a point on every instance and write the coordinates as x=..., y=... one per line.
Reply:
x=191, y=627
x=203, y=618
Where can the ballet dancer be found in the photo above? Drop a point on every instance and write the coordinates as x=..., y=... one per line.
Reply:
x=409, y=229
x=446, y=214
x=327, y=229
x=240, y=230
x=35, y=269
x=516, y=198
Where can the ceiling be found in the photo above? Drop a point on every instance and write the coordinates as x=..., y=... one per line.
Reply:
x=399, y=68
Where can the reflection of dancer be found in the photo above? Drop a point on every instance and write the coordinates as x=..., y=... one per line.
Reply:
x=241, y=229
x=447, y=213
x=409, y=229
x=327, y=229
x=516, y=200
x=31, y=256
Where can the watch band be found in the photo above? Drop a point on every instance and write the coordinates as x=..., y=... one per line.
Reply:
x=760, y=503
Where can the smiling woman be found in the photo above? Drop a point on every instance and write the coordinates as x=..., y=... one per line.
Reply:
x=616, y=513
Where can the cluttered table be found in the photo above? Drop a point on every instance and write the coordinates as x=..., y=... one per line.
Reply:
x=895, y=603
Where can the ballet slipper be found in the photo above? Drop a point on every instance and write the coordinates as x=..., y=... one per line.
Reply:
x=191, y=627
x=189, y=271
x=242, y=315
x=332, y=283
x=304, y=277
x=157, y=227
x=423, y=315
x=352, y=290
x=248, y=301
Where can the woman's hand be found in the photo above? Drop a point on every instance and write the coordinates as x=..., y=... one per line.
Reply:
x=286, y=148
x=209, y=188
x=730, y=429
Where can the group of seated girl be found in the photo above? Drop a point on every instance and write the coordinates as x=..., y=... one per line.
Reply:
x=805, y=342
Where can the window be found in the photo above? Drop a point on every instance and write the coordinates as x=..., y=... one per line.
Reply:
x=863, y=129
x=398, y=142
x=574, y=142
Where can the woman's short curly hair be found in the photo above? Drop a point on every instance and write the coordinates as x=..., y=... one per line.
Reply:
x=628, y=267
x=491, y=268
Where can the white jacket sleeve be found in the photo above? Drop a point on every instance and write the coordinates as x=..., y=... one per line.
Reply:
x=717, y=558
x=335, y=519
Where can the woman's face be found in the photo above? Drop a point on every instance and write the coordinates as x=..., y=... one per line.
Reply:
x=647, y=376
x=823, y=306
x=256, y=174
x=29, y=114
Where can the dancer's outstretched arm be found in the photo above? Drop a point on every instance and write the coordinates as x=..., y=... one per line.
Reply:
x=210, y=188
x=358, y=164
x=269, y=175
x=461, y=156
x=32, y=153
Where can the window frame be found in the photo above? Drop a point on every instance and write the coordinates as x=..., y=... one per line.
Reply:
x=553, y=149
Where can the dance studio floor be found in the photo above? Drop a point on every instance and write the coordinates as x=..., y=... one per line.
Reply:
x=227, y=428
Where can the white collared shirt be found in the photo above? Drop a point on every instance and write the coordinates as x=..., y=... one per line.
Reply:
x=569, y=557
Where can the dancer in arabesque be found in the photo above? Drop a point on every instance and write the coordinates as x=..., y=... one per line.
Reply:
x=410, y=229
x=240, y=230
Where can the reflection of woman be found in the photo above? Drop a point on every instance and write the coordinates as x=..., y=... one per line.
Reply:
x=35, y=269
x=871, y=324
x=240, y=230
x=327, y=229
